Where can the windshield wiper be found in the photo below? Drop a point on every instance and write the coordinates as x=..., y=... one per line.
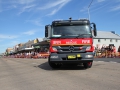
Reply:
x=64, y=36
x=82, y=35
x=59, y=37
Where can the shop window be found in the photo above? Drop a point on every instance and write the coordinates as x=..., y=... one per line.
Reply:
x=98, y=40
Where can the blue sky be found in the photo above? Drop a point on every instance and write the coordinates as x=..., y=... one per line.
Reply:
x=23, y=20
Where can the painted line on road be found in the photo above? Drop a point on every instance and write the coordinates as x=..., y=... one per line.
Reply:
x=109, y=61
x=112, y=62
x=100, y=61
x=36, y=63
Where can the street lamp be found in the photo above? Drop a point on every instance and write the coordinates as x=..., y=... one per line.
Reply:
x=89, y=10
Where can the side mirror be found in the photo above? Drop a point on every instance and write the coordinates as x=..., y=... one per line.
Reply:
x=46, y=31
x=94, y=30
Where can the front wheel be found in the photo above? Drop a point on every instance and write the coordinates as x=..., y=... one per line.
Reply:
x=87, y=65
x=54, y=65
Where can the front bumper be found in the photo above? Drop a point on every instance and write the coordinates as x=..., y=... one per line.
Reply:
x=71, y=57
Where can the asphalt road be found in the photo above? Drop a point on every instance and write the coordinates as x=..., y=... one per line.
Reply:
x=36, y=74
x=113, y=60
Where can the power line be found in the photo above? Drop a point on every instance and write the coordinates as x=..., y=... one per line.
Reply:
x=89, y=10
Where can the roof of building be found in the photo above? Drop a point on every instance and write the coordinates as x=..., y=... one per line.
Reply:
x=107, y=34
x=40, y=39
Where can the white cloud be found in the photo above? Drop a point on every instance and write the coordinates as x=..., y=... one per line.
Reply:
x=98, y=6
x=4, y=7
x=8, y=44
x=57, y=5
x=97, y=9
x=57, y=9
x=29, y=5
x=13, y=43
x=116, y=8
x=53, y=12
x=8, y=36
x=31, y=32
x=52, y=4
x=27, y=8
x=22, y=5
x=84, y=9
x=25, y=1
x=37, y=22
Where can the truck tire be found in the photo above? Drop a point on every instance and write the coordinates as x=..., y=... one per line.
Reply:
x=87, y=65
x=54, y=65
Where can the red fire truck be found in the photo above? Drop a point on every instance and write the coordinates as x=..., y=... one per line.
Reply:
x=71, y=41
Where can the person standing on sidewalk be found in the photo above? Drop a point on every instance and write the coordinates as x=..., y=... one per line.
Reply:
x=119, y=51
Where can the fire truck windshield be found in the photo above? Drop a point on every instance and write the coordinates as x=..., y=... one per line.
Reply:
x=71, y=31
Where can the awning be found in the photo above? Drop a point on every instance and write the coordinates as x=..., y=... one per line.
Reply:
x=28, y=48
x=36, y=46
x=25, y=49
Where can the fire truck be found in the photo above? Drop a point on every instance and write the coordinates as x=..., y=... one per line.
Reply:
x=71, y=41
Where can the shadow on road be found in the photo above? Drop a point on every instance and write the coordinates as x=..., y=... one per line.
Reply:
x=46, y=66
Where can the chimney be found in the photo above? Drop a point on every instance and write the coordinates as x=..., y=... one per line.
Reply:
x=113, y=32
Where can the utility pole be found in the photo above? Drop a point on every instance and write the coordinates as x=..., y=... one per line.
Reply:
x=89, y=8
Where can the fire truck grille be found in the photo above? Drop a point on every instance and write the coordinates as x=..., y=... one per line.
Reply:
x=71, y=48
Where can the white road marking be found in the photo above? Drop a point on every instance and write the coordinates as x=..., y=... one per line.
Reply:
x=112, y=62
x=100, y=61
x=34, y=63
x=109, y=61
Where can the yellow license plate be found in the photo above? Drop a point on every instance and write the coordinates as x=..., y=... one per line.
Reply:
x=71, y=56
x=78, y=55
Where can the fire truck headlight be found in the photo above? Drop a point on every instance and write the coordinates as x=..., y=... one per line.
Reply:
x=89, y=56
x=54, y=49
x=88, y=48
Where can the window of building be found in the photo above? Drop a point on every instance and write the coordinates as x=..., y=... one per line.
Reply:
x=105, y=39
x=110, y=40
x=116, y=40
x=98, y=40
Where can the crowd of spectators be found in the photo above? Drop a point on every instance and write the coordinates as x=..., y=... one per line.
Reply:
x=104, y=52
x=107, y=51
x=31, y=54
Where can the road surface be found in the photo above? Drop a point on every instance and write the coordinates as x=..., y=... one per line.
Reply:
x=36, y=74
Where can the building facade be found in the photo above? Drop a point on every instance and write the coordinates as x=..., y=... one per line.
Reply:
x=9, y=51
x=106, y=38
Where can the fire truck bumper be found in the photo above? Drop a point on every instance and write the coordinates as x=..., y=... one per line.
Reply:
x=71, y=57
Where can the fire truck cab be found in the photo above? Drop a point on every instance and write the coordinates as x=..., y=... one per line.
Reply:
x=71, y=41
